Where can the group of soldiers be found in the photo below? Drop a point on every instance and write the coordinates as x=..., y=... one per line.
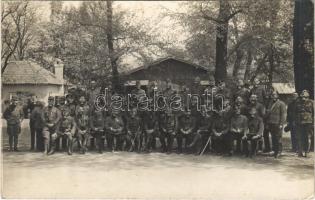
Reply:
x=239, y=120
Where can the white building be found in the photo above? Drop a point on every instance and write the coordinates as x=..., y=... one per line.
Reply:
x=29, y=78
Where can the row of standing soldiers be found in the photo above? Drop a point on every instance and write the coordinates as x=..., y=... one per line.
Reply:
x=248, y=116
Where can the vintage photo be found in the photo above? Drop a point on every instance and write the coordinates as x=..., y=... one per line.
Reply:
x=157, y=99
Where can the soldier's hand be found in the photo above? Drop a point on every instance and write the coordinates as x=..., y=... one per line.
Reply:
x=244, y=137
x=280, y=126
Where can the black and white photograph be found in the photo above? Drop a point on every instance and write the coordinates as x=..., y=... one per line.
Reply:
x=209, y=99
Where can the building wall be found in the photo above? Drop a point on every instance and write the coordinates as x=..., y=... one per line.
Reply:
x=179, y=73
x=41, y=91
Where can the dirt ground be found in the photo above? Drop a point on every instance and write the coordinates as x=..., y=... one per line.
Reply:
x=155, y=176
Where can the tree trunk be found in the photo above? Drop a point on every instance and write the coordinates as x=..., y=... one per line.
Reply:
x=110, y=44
x=221, y=42
x=237, y=63
x=249, y=61
x=271, y=66
x=303, y=49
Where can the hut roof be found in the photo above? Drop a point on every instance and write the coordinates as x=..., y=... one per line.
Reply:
x=28, y=72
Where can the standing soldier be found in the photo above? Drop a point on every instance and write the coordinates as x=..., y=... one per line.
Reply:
x=223, y=90
x=36, y=116
x=28, y=110
x=259, y=91
x=242, y=92
x=97, y=124
x=186, y=129
x=134, y=131
x=239, y=102
x=61, y=105
x=71, y=104
x=305, y=122
x=51, y=119
x=254, y=134
x=275, y=119
x=238, y=128
x=13, y=114
x=66, y=131
x=291, y=122
x=82, y=114
x=115, y=130
x=168, y=130
x=92, y=95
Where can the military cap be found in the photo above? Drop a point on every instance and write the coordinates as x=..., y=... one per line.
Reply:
x=14, y=98
x=51, y=98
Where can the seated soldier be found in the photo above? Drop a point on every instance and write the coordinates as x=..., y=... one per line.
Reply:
x=51, y=118
x=66, y=130
x=97, y=123
x=255, y=131
x=151, y=129
x=219, y=129
x=82, y=121
x=133, y=139
x=238, y=127
x=187, y=127
x=114, y=126
x=168, y=128
x=201, y=137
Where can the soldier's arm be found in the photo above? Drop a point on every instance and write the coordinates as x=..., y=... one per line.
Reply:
x=6, y=113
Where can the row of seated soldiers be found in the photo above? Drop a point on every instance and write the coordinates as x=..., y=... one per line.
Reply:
x=251, y=117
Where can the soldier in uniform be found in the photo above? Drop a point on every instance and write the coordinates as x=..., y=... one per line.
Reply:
x=219, y=129
x=304, y=122
x=223, y=90
x=28, y=110
x=291, y=122
x=61, y=105
x=261, y=112
x=275, y=119
x=201, y=134
x=115, y=130
x=13, y=114
x=71, y=104
x=36, y=116
x=92, y=95
x=133, y=126
x=65, y=131
x=186, y=129
x=259, y=91
x=238, y=128
x=242, y=92
x=168, y=130
x=239, y=102
x=82, y=115
x=137, y=93
x=151, y=129
x=51, y=119
x=254, y=134
x=97, y=125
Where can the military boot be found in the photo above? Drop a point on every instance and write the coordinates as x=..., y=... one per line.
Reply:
x=70, y=147
x=52, y=150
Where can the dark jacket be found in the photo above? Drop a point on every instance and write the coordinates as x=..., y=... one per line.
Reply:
x=276, y=113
